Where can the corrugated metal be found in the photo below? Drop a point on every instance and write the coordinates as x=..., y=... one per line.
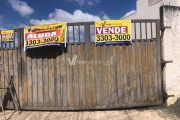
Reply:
x=117, y=76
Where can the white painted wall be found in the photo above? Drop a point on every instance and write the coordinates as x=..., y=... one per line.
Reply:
x=150, y=12
x=178, y=2
x=171, y=51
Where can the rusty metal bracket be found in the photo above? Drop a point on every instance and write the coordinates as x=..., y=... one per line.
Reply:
x=168, y=96
x=165, y=62
x=165, y=27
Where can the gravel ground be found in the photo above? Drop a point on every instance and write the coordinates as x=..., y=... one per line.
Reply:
x=151, y=113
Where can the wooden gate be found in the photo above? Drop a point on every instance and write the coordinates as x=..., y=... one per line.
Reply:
x=85, y=76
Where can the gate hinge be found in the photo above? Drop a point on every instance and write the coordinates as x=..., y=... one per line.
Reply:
x=169, y=61
x=168, y=96
x=165, y=27
x=164, y=62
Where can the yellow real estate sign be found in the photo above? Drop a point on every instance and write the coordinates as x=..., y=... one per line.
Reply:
x=113, y=32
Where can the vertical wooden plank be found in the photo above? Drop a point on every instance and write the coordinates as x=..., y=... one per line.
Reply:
x=144, y=70
x=159, y=62
x=1, y=74
x=40, y=78
x=130, y=76
x=87, y=78
x=23, y=73
x=118, y=74
x=97, y=84
x=155, y=95
x=155, y=72
x=11, y=73
x=152, y=65
x=92, y=81
x=134, y=82
x=87, y=49
x=1, y=71
x=20, y=49
x=6, y=79
x=103, y=74
x=102, y=95
x=125, y=68
x=145, y=62
x=81, y=76
x=16, y=80
x=3, y=91
x=74, y=71
x=75, y=76
x=157, y=87
x=58, y=84
x=136, y=66
x=113, y=64
x=148, y=71
x=141, y=63
x=34, y=78
x=68, y=71
x=150, y=58
x=128, y=86
x=45, y=78
x=69, y=65
x=29, y=78
x=138, y=78
x=152, y=71
x=98, y=75
x=121, y=72
x=109, y=77
x=55, y=54
x=51, y=77
x=64, y=79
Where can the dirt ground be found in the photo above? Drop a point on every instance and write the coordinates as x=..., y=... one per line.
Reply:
x=151, y=113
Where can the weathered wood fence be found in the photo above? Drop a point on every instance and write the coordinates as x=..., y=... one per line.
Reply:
x=103, y=77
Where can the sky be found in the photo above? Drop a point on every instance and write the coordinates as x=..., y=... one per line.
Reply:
x=21, y=13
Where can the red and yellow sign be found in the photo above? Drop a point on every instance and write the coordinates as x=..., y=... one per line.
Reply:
x=45, y=35
x=7, y=35
x=113, y=32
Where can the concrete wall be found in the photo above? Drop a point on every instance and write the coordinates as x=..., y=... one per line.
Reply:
x=170, y=16
x=178, y=2
x=144, y=11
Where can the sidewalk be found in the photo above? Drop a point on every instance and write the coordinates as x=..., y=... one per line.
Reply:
x=152, y=113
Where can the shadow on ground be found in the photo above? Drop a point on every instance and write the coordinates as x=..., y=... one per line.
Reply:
x=175, y=108
x=171, y=112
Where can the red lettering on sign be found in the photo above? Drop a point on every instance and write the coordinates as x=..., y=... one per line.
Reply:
x=42, y=34
x=112, y=30
x=7, y=35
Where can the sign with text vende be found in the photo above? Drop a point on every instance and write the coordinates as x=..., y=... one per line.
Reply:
x=113, y=32
x=45, y=35
x=7, y=35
